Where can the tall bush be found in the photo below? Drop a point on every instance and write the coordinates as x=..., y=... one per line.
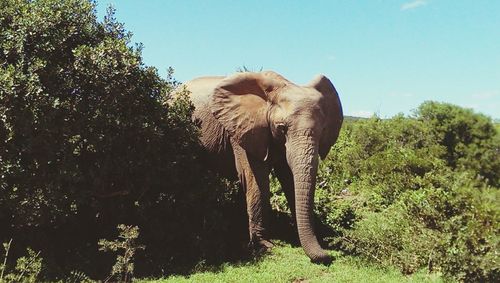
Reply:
x=88, y=141
x=416, y=192
x=471, y=140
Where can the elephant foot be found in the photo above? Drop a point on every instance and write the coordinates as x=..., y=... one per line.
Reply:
x=260, y=245
x=325, y=260
x=265, y=244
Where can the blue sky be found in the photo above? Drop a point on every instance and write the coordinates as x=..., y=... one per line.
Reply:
x=383, y=56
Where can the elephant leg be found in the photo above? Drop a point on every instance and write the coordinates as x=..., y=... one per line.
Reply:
x=254, y=178
x=285, y=177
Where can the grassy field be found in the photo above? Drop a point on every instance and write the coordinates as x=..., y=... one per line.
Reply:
x=288, y=264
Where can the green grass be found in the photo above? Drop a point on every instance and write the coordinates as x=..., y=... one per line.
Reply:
x=287, y=264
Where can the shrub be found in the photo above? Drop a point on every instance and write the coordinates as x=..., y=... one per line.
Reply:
x=391, y=238
x=408, y=192
x=124, y=265
x=452, y=231
x=471, y=139
x=27, y=267
x=88, y=140
x=470, y=238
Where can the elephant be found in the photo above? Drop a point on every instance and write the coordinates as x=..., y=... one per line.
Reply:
x=254, y=122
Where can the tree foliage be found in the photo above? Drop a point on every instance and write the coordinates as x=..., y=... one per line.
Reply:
x=417, y=192
x=90, y=137
x=470, y=139
x=127, y=246
x=79, y=111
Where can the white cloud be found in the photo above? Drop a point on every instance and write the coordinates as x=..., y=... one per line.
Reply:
x=474, y=106
x=331, y=58
x=413, y=5
x=487, y=102
x=485, y=95
x=362, y=113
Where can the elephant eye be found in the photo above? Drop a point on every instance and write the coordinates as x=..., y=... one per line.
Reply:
x=281, y=127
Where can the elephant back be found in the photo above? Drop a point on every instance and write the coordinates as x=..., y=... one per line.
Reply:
x=201, y=89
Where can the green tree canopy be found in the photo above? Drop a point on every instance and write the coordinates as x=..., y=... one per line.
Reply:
x=88, y=141
x=81, y=115
x=471, y=140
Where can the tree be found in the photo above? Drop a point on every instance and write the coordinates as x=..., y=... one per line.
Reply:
x=80, y=111
x=471, y=140
x=88, y=141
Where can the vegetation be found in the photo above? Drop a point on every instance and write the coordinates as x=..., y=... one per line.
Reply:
x=27, y=268
x=123, y=270
x=90, y=137
x=414, y=192
x=417, y=192
x=287, y=264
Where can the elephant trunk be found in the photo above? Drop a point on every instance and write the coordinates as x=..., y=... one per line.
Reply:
x=302, y=157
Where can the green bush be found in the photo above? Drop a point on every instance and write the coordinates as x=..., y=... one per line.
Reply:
x=88, y=140
x=391, y=238
x=409, y=192
x=123, y=269
x=27, y=267
x=471, y=237
x=471, y=140
x=449, y=231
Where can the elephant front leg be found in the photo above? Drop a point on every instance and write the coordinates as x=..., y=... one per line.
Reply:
x=285, y=177
x=254, y=178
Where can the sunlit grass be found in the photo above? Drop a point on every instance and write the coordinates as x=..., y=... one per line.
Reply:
x=287, y=264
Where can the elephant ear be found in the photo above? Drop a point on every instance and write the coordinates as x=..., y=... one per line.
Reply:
x=332, y=109
x=239, y=103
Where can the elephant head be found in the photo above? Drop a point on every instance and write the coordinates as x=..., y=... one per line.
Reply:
x=258, y=109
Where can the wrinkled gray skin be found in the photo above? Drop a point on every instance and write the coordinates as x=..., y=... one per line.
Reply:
x=254, y=122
